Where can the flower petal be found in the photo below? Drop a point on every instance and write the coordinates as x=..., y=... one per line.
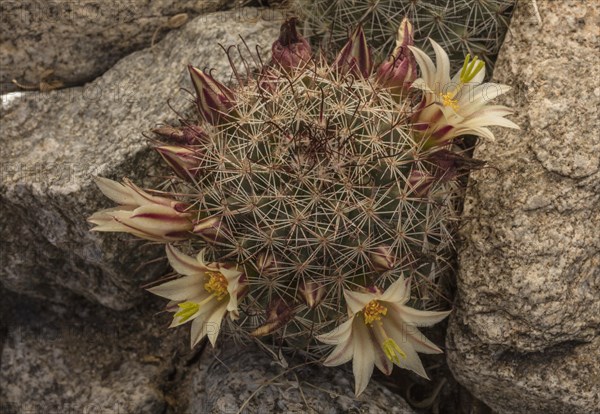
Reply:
x=182, y=263
x=344, y=351
x=117, y=192
x=411, y=316
x=364, y=358
x=396, y=292
x=428, y=72
x=208, y=326
x=356, y=301
x=337, y=335
x=442, y=75
x=180, y=289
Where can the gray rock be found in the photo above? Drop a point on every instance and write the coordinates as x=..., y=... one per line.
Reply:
x=79, y=40
x=53, y=143
x=248, y=380
x=84, y=358
x=524, y=337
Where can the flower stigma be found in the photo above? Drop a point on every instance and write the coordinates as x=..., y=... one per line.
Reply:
x=468, y=72
x=470, y=69
x=393, y=351
x=188, y=309
x=217, y=285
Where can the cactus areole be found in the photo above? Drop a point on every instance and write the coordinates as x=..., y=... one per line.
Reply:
x=312, y=205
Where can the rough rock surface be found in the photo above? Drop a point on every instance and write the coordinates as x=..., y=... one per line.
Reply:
x=84, y=358
x=79, y=40
x=525, y=335
x=255, y=383
x=52, y=144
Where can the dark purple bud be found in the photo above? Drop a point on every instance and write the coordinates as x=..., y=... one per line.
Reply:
x=290, y=50
x=355, y=57
x=399, y=71
x=213, y=98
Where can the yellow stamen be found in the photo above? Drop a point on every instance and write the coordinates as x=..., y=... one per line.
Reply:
x=217, y=285
x=448, y=101
x=393, y=351
x=188, y=309
x=373, y=312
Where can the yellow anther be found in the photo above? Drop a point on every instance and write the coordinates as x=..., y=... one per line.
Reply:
x=188, y=309
x=392, y=351
x=373, y=312
x=217, y=285
x=447, y=100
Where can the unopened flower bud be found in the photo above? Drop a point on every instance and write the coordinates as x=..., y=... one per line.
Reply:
x=142, y=214
x=211, y=228
x=213, y=98
x=399, y=71
x=355, y=57
x=278, y=314
x=451, y=165
x=266, y=263
x=383, y=258
x=420, y=182
x=186, y=135
x=183, y=161
x=290, y=50
x=312, y=293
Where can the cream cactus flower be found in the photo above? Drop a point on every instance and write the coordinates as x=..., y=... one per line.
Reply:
x=204, y=295
x=457, y=106
x=381, y=331
x=141, y=214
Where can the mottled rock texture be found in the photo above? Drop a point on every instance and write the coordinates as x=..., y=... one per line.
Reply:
x=84, y=358
x=79, y=40
x=52, y=144
x=256, y=384
x=525, y=334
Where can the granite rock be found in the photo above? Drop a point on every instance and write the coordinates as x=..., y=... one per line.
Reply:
x=249, y=380
x=82, y=358
x=525, y=334
x=85, y=358
x=75, y=41
x=53, y=143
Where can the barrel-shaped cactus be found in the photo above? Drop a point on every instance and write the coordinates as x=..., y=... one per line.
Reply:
x=477, y=27
x=312, y=205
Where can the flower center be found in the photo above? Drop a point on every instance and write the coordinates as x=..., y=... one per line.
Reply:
x=374, y=311
x=217, y=285
x=447, y=100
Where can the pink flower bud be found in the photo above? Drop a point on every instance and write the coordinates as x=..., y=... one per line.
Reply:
x=183, y=161
x=213, y=98
x=400, y=70
x=139, y=213
x=311, y=293
x=266, y=263
x=211, y=229
x=290, y=50
x=278, y=314
x=186, y=135
x=383, y=258
x=420, y=182
x=355, y=56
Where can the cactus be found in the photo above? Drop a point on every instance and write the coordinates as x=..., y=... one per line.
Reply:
x=314, y=202
x=459, y=26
